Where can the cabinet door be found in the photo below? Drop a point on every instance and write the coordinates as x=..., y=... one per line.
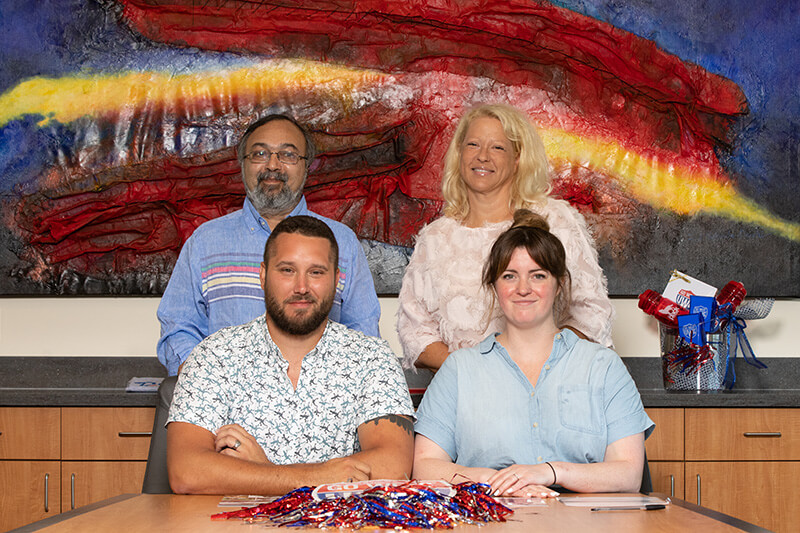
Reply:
x=667, y=477
x=762, y=493
x=85, y=482
x=743, y=434
x=30, y=433
x=29, y=491
x=106, y=433
x=666, y=441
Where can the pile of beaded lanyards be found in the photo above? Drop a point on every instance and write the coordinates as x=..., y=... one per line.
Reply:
x=408, y=505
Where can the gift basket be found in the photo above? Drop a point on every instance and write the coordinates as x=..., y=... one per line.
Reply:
x=702, y=331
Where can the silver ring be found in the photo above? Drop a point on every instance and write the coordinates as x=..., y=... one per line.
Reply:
x=236, y=444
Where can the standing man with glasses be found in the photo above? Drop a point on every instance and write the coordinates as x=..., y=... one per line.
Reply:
x=215, y=282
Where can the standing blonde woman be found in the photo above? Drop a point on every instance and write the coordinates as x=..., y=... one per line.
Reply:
x=495, y=164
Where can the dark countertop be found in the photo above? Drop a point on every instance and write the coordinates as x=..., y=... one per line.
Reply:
x=778, y=385
x=75, y=381
x=100, y=382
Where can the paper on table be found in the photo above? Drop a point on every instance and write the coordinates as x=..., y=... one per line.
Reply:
x=611, y=501
x=244, y=500
x=512, y=502
x=143, y=384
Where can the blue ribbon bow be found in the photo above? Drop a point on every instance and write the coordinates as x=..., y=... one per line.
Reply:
x=735, y=339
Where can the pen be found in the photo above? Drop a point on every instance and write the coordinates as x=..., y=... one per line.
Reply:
x=649, y=507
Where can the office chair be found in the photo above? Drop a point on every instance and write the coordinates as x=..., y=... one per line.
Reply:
x=647, y=482
x=156, y=480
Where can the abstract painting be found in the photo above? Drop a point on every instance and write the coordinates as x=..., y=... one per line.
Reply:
x=674, y=130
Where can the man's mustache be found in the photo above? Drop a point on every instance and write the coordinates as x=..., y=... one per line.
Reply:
x=300, y=298
x=275, y=175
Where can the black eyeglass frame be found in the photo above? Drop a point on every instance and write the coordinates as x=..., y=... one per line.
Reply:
x=282, y=156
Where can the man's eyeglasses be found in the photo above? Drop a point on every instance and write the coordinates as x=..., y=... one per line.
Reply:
x=287, y=157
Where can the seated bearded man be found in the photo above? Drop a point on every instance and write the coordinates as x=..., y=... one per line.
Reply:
x=290, y=398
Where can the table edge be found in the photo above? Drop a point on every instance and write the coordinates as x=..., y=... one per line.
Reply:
x=719, y=517
x=47, y=522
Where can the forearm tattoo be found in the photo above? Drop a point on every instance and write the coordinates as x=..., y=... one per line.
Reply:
x=404, y=422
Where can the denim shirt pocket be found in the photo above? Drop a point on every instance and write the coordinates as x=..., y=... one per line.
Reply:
x=579, y=409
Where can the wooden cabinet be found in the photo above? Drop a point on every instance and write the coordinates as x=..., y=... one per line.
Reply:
x=29, y=491
x=742, y=462
x=108, y=433
x=759, y=492
x=666, y=441
x=29, y=482
x=56, y=459
x=665, y=451
x=30, y=433
x=746, y=463
x=668, y=478
x=104, y=453
x=743, y=434
x=85, y=482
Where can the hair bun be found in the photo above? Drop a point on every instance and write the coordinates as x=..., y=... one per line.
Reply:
x=525, y=218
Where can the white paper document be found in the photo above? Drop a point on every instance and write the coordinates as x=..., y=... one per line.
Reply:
x=611, y=501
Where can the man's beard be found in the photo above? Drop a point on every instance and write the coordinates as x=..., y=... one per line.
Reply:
x=302, y=325
x=273, y=203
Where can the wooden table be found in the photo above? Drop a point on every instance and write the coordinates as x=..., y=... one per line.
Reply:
x=149, y=513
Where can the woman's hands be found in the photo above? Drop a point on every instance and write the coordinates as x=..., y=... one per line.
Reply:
x=523, y=481
x=233, y=440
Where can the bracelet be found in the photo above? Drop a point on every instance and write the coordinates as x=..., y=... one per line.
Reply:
x=554, y=473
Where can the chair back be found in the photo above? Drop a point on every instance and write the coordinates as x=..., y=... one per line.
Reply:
x=647, y=482
x=156, y=479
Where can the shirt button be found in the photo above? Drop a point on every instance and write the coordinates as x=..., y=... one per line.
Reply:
x=547, y=367
x=539, y=459
x=533, y=394
x=536, y=424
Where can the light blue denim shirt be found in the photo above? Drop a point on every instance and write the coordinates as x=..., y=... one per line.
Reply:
x=482, y=410
x=215, y=282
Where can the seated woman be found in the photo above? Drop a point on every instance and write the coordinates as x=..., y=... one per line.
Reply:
x=533, y=406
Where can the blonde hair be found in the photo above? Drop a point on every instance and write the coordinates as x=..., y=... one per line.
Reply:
x=532, y=180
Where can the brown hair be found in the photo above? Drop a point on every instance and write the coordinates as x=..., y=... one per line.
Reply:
x=531, y=232
x=306, y=226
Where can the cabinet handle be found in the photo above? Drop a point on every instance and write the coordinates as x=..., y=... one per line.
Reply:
x=46, y=493
x=72, y=491
x=135, y=433
x=762, y=433
x=698, y=491
x=672, y=485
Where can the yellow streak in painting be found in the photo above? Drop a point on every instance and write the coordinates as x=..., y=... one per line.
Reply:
x=71, y=97
x=664, y=185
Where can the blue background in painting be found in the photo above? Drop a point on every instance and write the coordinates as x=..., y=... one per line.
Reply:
x=755, y=44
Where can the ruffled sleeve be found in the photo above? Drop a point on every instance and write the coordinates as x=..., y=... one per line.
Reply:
x=417, y=316
x=590, y=309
